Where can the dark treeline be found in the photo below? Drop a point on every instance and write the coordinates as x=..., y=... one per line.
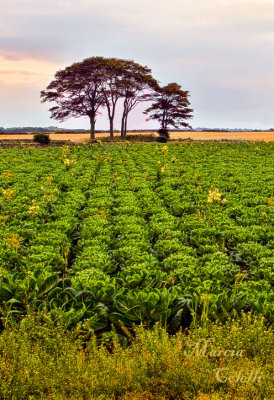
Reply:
x=32, y=129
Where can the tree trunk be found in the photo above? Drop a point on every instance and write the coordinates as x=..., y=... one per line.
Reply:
x=111, y=127
x=92, y=128
x=123, y=126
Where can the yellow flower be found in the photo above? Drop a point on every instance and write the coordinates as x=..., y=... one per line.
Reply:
x=7, y=174
x=13, y=241
x=214, y=196
x=49, y=180
x=65, y=151
x=66, y=161
x=8, y=193
x=34, y=208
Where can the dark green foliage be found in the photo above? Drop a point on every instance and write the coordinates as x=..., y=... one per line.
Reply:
x=163, y=133
x=41, y=138
x=161, y=139
x=170, y=106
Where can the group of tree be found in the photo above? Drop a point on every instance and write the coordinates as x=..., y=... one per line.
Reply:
x=86, y=87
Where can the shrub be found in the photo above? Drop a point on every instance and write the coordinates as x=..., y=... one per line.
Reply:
x=161, y=139
x=163, y=133
x=41, y=138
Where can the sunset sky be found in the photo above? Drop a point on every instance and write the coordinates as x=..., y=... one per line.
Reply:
x=222, y=51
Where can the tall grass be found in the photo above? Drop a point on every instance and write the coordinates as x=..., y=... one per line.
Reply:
x=41, y=361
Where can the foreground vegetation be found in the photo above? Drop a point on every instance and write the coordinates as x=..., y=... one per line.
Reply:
x=98, y=239
x=41, y=361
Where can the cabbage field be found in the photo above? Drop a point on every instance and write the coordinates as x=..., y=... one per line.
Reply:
x=97, y=236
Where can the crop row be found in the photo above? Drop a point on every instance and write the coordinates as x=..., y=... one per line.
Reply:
x=98, y=234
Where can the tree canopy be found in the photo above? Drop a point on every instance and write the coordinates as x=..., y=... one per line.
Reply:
x=170, y=106
x=83, y=88
x=77, y=92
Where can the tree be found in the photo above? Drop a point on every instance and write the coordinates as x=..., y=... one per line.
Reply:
x=84, y=87
x=77, y=92
x=108, y=71
x=170, y=106
x=123, y=79
x=136, y=80
x=110, y=88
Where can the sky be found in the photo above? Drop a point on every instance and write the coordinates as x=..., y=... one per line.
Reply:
x=221, y=51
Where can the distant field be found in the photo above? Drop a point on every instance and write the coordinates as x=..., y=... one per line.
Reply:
x=81, y=137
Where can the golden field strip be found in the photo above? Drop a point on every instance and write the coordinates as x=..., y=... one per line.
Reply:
x=82, y=137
